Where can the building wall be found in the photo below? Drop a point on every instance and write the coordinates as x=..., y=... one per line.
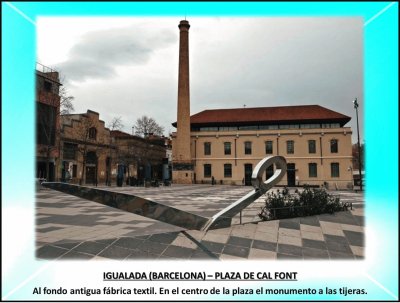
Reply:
x=75, y=131
x=323, y=157
x=136, y=153
x=123, y=150
x=47, y=147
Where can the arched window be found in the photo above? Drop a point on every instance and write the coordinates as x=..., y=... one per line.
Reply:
x=92, y=133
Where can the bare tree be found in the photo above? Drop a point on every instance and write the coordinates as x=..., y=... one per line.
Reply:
x=66, y=105
x=115, y=124
x=145, y=126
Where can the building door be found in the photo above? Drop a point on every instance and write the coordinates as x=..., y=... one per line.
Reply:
x=91, y=168
x=140, y=174
x=248, y=170
x=291, y=174
x=90, y=174
x=42, y=169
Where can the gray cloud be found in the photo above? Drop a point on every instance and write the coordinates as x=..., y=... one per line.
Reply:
x=98, y=54
x=233, y=61
x=282, y=61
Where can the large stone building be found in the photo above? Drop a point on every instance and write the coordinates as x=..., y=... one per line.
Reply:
x=142, y=158
x=92, y=154
x=47, y=122
x=226, y=144
x=86, y=149
x=79, y=148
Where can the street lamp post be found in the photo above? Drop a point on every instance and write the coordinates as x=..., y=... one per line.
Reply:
x=358, y=143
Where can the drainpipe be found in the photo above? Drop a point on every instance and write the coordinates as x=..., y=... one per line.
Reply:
x=195, y=152
x=277, y=145
x=320, y=147
x=235, y=154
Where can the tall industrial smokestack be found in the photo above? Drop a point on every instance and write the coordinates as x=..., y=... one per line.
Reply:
x=182, y=164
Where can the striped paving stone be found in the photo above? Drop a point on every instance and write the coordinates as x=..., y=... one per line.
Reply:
x=97, y=232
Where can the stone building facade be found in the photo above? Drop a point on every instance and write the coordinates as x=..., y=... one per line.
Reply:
x=226, y=145
x=86, y=149
x=92, y=154
x=142, y=158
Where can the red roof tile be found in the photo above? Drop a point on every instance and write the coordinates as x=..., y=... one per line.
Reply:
x=268, y=115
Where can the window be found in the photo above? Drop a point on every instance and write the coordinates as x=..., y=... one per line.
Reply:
x=290, y=147
x=208, y=129
x=268, y=147
x=310, y=125
x=227, y=128
x=207, y=170
x=74, y=170
x=268, y=127
x=334, y=146
x=248, y=127
x=330, y=125
x=227, y=148
x=92, y=133
x=288, y=126
x=227, y=170
x=47, y=86
x=334, y=170
x=247, y=148
x=269, y=172
x=69, y=151
x=207, y=148
x=311, y=147
x=46, y=124
x=312, y=170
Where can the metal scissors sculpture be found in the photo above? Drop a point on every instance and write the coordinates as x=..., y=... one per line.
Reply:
x=223, y=218
x=175, y=216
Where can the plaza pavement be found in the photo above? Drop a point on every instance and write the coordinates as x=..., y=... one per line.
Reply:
x=68, y=227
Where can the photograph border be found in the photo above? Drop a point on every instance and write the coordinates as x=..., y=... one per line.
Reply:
x=380, y=116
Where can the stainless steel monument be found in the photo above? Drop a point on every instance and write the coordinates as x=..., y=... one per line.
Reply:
x=173, y=215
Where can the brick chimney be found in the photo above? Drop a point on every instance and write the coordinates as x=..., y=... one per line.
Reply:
x=182, y=164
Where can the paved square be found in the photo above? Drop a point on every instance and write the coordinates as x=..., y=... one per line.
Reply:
x=68, y=227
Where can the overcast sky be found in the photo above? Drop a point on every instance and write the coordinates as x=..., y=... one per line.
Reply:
x=128, y=67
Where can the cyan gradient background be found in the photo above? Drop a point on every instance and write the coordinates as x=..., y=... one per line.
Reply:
x=378, y=273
